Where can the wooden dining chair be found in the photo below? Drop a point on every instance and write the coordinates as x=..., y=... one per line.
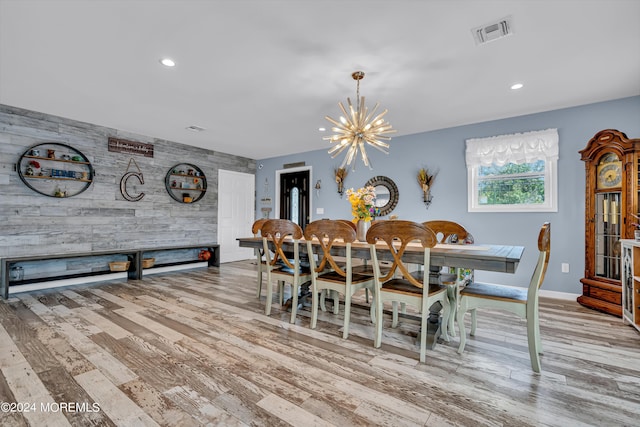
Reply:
x=397, y=235
x=275, y=232
x=520, y=301
x=259, y=252
x=365, y=267
x=335, y=295
x=447, y=231
x=329, y=274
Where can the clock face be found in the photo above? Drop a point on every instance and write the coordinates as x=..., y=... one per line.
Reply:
x=610, y=175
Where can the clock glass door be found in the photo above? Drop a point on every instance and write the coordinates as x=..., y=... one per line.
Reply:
x=607, y=233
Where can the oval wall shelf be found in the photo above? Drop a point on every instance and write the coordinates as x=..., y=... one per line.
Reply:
x=186, y=183
x=56, y=170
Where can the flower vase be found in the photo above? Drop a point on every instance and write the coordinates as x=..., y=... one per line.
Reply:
x=361, y=230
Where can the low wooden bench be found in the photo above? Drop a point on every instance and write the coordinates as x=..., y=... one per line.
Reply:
x=134, y=256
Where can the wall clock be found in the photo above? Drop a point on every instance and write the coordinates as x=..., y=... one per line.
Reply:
x=609, y=173
x=612, y=166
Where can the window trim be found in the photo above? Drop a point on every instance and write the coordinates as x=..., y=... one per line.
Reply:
x=516, y=148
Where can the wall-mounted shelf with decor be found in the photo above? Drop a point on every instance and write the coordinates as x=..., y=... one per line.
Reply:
x=186, y=183
x=55, y=170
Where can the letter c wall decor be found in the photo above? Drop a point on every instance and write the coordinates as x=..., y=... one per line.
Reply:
x=125, y=179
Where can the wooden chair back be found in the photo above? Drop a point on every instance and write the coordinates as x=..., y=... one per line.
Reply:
x=257, y=226
x=397, y=235
x=349, y=223
x=544, y=246
x=447, y=229
x=276, y=231
x=328, y=232
x=256, y=229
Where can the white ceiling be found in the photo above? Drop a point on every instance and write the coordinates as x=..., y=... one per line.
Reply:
x=261, y=75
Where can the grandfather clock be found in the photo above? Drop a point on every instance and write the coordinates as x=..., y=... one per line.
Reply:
x=612, y=166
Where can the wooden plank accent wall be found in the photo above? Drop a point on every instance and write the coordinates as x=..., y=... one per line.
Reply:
x=100, y=218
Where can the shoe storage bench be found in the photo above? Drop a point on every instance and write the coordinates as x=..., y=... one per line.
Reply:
x=44, y=271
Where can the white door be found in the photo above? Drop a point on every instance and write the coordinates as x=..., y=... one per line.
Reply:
x=236, y=210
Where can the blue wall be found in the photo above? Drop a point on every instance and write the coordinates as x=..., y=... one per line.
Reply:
x=444, y=150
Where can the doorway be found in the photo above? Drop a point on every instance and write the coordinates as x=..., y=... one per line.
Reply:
x=236, y=209
x=294, y=200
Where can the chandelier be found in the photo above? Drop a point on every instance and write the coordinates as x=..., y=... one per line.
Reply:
x=357, y=127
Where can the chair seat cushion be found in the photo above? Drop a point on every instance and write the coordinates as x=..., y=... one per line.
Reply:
x=367, y=270
x=497, y=292
x=304, y=270
x=332, y=276
x=445, y=278
x=403, y=286
x=448, y=278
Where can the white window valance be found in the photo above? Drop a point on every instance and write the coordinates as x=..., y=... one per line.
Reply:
x=517, y=148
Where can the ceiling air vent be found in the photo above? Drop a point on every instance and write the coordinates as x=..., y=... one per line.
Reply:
x=194, y=128
x=493, y=31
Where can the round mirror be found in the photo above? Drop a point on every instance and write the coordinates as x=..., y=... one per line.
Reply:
x=386, y=194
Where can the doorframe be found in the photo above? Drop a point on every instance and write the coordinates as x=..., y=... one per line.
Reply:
x=277, y=188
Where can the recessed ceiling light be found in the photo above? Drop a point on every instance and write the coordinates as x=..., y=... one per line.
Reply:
x=321, y=129
x=516, y=86
x=168, y=62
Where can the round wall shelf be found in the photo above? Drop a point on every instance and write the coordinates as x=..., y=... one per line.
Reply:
x=186, y=183
x=55, y=170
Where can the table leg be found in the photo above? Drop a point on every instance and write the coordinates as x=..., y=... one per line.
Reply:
x=433, y=325
x=452, y=294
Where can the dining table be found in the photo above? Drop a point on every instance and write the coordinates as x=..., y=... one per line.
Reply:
x=488, y=257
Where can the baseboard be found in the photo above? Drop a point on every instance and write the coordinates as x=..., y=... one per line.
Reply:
x=558, y=295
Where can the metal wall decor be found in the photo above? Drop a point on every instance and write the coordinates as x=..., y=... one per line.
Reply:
x=186, y=183
x=125, y=179
x=386, y=194
x=54, y=169
x=341, y=175
x=426, y=181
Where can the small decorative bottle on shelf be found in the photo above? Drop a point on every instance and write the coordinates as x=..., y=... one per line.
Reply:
x=16, y=274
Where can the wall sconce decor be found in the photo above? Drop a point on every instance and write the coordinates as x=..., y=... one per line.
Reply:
x=341, y=174
x=266, y=199
x=318, y=187
x=426, y=181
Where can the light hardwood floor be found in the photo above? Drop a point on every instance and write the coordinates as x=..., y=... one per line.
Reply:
x=194, y=348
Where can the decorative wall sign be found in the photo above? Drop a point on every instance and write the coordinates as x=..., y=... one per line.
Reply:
x=131, y=147
x=125, y=178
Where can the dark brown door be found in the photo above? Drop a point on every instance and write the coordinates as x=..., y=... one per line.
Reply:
x=294, y=197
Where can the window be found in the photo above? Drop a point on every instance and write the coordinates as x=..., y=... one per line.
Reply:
x=513, y=173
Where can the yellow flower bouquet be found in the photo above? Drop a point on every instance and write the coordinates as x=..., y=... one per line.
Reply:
x=362, y=203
